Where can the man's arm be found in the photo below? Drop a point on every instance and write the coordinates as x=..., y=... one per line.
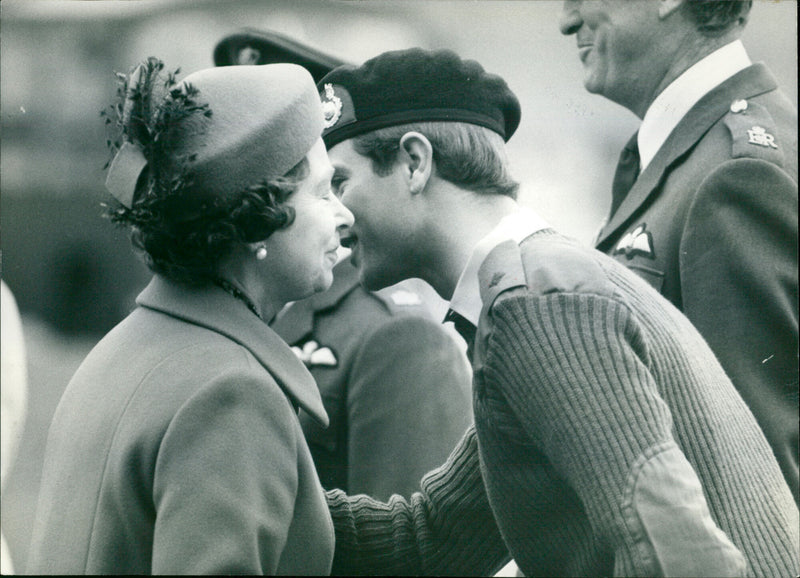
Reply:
x=738, y=267
x=446, y=529
x=574, y=368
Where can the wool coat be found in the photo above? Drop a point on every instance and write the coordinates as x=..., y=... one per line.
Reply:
x=177, y=448
x=712, y=224
x=395, y=384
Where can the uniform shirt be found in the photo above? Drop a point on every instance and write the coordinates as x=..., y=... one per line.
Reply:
x=682, y=94
x=516, y=226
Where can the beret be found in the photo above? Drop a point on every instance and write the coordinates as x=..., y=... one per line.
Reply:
x=263, y=121
x=251, y=46
x=414, y=85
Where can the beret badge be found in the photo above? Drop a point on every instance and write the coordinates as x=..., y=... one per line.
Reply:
x=331, y=106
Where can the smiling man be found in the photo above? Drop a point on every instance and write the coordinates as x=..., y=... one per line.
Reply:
x=607, y=438
x=711, y=220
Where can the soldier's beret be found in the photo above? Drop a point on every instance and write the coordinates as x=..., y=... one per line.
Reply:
x=414, y=85
x=251, y=46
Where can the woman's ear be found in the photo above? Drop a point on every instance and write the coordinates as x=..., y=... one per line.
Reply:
x=417, y=159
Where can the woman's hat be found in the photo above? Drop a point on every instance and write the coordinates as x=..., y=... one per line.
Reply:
x=263, y=120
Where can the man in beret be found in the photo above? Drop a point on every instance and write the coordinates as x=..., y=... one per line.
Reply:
x=394, y=382
x=607, y=438
x=711, y=220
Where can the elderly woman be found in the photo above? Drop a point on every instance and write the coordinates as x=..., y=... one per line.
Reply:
x=176, y=447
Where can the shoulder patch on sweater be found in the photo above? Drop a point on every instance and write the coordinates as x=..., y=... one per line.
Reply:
x=544, y=266
x=753, y=132
x=501, y=270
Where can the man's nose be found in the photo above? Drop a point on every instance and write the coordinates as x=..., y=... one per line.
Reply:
x=346, y=218
x=570, y=20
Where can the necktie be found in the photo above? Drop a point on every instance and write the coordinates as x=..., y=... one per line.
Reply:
x=627, y=172
x=464, y=327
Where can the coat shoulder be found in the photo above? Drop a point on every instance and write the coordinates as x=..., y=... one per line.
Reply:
x=763, y=127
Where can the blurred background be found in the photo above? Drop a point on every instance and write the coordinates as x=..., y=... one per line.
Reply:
x=75, y=276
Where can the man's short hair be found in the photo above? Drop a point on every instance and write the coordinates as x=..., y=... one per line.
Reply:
x=716, y=17
x=469, y=156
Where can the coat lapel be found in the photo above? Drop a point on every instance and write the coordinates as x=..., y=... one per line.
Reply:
x=755, y=79
x=214, y=309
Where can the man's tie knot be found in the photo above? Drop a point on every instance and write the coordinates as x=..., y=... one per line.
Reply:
x=464, y=327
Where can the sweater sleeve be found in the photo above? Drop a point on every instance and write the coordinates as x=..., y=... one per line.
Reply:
x=576, y=372
x=446, y=529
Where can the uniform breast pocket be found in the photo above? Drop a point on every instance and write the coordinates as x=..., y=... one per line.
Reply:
x=653, y=276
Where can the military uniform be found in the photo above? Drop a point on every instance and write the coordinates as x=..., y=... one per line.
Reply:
x=712, y=224
x=394, y=383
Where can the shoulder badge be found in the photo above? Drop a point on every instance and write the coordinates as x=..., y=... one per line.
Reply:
x=752, y=131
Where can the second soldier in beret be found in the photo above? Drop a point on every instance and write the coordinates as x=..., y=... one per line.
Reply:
x=608, y=440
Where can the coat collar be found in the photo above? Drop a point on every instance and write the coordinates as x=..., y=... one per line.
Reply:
x=297, y=320
x=214, y=309
x=748, y=83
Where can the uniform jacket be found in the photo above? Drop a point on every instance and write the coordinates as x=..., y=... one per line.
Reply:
x=712, y=224
x=395, y=384
x=610, y=442
x=177, y=448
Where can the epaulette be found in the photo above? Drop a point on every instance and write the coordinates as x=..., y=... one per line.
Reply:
x=554, y=266
x=753, y=132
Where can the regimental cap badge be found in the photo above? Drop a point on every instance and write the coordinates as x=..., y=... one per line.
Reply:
x=248, y=56
x=331, y=106
x=758, y=135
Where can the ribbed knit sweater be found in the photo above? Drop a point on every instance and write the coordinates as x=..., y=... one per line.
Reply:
x=609, y=442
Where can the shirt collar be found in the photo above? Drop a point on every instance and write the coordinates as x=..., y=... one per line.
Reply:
x=684, y=92
x=516, y=226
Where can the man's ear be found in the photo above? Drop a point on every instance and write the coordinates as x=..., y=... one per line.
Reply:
x=667, y=7
x=416, y=153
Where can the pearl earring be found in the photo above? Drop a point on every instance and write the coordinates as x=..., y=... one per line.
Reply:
x=261, y=253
